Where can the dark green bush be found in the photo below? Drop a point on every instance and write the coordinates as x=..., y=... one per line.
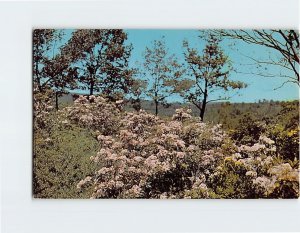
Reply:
x=248, y=130
x=61, y=161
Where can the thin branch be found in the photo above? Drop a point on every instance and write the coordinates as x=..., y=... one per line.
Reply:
x=282, y=85
x=214, y=100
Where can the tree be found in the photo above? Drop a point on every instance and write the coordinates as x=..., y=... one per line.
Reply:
x=209, y=73
x=162, y=70
x=137, y=90
x=60, y=76
x=285, y=42
x=42, y=40
x=103, y=60
x=51, y=68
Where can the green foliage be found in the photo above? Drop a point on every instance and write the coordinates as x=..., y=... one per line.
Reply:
x=209, y=71
x=163, y=69
x=103, y=58
x=61, y=161
x=285, y=189
x=231, y=181
x=174, y=181
x=42, y=44
x=287, y=142
x=285, y=132
x=248, y=130
x=137, y=90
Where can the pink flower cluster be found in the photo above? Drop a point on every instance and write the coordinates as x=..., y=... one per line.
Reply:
x=182, y=114
x=143, y=156
x=42, y=107
x=95, y=113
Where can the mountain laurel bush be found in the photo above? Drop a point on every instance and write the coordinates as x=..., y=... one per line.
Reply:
x=143, y=156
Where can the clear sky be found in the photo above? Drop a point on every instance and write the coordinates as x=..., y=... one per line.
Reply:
x=259, y=87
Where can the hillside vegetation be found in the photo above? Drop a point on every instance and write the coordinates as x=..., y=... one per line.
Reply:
x=94, y=148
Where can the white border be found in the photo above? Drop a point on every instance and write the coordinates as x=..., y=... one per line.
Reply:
x=22, y=214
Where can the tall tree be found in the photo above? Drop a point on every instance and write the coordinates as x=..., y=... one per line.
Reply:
x=42, y=41
x=162, y=70
x=51, y=67
x=60, y=76
x=103, y=60
x=284, y=42
x=209, y=72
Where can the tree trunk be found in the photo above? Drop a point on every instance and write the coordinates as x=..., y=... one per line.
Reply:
x=38, y=80
x=204, y=102
x=202, y=110
x=156, y=103
x=56, y=100
x=156, y=107
x=92, y=88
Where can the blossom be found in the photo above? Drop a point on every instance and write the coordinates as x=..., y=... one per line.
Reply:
x=138, y=159
x=119, y=184
x=264, y=184
x=285, y=172
x=83, y=182
x=266, y=140
x=254, y=148
x=182, y=114
x=48, y=140
x=180, y=155
x=251, y=173
x=103, y=170
x=119, y=101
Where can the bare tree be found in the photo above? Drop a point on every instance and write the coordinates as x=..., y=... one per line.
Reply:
x=285, y=42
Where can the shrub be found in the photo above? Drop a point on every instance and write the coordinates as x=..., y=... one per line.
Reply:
x=61, y=161
x=122, y=154
x=95, y=113
x=182, y=158
x=248, y=130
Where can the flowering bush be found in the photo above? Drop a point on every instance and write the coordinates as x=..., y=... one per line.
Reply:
x=147, y=157
x=140, y=155
x=254, y=172
x=42, y=108
x=287, y=140
x=96, y=113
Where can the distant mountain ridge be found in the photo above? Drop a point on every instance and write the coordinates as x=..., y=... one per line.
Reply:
x=216, y=112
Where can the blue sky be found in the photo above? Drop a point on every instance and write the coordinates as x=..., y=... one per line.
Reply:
x=259, y=87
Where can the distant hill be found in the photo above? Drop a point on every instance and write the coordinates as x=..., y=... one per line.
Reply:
x=66, y=99
x=219, y=112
